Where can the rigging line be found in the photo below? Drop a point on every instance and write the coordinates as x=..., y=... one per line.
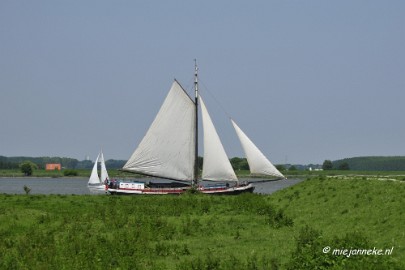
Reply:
x=214, y=98
x=204, y=89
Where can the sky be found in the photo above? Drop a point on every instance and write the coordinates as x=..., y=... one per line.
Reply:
x=305, y=80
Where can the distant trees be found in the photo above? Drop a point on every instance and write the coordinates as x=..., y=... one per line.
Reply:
x=344, y=166
x=28, y=167
x=327, y=165
x=67, y=163
x=239, y=163
x=280, y=167
x=6, y=164
x=70, y=172
x=115, y=164
x=244, y=165
x=86, y=164
x=376, y=163
x=13, y=162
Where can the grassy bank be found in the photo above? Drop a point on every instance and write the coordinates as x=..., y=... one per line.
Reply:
x=286, y=230
x=399, y=175
x=348, y=212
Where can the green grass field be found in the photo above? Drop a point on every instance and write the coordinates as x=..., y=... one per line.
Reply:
x=286, y=230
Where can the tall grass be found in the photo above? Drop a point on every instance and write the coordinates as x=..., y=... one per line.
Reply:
x=344, y=209
x=286, y=230
x=92, y=232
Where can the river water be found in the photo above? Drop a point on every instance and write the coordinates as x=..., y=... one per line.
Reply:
x=78, y=186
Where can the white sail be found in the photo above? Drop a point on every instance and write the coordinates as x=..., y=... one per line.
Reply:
x=168, y=148
x=94, y=180
x=258, y=163
x=216, y=166
x=104, y=173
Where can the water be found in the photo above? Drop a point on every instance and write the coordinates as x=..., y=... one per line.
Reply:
x=78, y=186
x=44, y=185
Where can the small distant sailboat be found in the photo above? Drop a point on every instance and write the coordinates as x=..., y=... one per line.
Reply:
x=169, y=150
x=95, y=182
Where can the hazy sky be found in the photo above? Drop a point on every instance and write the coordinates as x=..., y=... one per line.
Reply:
x=306, y=80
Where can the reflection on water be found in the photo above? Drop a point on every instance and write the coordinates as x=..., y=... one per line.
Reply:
x=97, y=190
x=78, y=186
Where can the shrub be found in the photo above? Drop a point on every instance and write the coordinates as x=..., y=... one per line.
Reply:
x=70, y=173
x=28, y=167
x=27, y=190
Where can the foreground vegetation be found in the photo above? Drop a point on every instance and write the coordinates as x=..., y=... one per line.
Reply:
x=287, y=230
x=347, y=212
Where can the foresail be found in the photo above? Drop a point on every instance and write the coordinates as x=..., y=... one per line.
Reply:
x=104, y=173
x=94, y=180
x=168, y=148
x=216, y=166
x=258, y=163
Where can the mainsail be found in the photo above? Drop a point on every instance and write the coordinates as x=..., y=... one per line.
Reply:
x=94, y=180
x=216, y=166
x=258, y=163
x=168, y=148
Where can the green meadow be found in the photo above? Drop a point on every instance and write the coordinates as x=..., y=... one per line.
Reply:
x=290, y=229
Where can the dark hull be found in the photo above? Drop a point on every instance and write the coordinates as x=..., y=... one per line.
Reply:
x=177, y=191
x=233, y=192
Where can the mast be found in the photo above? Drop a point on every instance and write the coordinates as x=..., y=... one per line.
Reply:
x=195, y=180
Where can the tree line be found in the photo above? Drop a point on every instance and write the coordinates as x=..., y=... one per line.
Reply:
x=66, y=163
x=14, y=162
x=70, y=163
x=329, y=165
x=376, y=163
x=371, y=163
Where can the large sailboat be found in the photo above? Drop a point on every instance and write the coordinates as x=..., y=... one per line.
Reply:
x=97, y=183
x=169, y=150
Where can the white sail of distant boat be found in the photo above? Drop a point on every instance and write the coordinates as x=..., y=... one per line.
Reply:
x=258, y=163
x=103, y=174
x=94, y=179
